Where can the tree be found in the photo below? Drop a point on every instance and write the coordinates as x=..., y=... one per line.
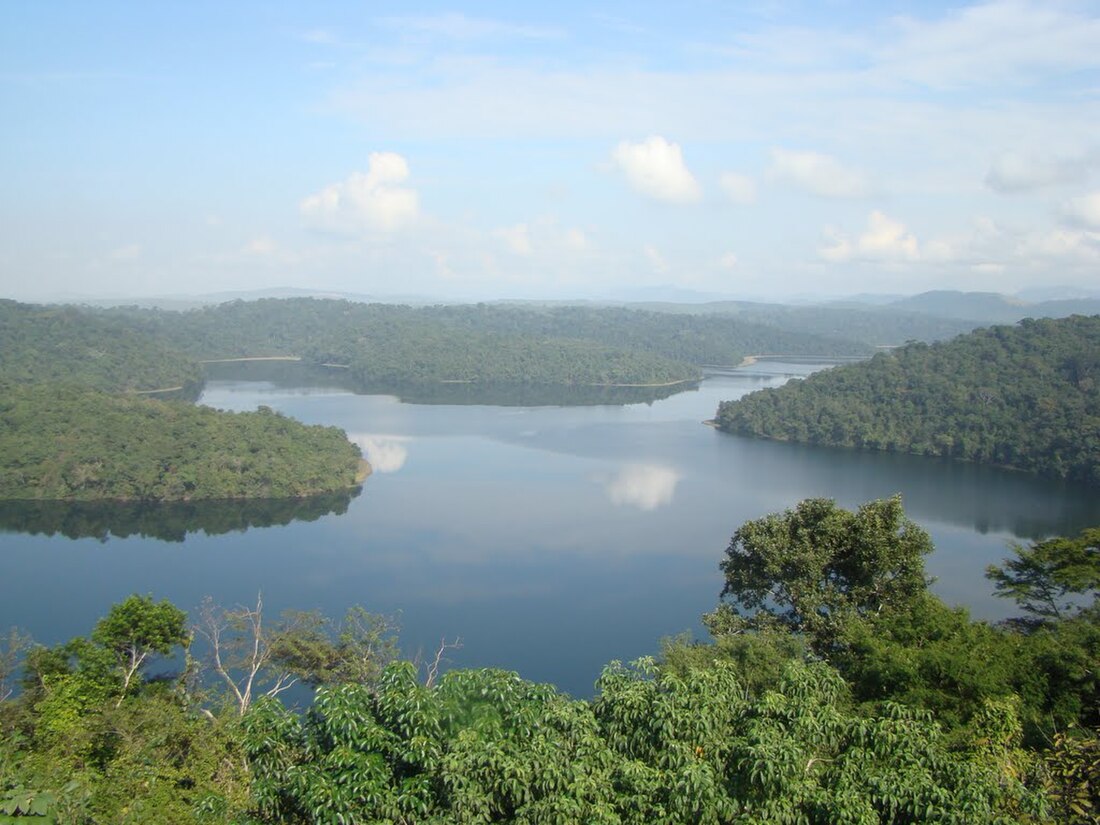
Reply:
x=11, y=649
x=810, y=569
x=320, y=652
x=241, y=650
x=254, y=658
x=137, y=628
x=1050, y=579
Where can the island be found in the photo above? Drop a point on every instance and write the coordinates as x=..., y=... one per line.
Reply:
x=1025, y=397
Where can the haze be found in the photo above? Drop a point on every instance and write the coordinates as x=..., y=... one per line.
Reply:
x=767, y=150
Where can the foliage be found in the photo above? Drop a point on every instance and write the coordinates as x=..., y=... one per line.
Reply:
x=485, y=746
x=1049, y=578
x=12, y=648
x=482, y=343
x=257, y=658
x=71, y=444
x=51, y=345
x=1025, y=397
x=137, y=628
x=1072, y=777
x=319, y=651
x=813, y=569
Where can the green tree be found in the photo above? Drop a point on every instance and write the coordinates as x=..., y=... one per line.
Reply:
x=136, y=629
x=812, y=568
x=1050, y=579
x=12, y=648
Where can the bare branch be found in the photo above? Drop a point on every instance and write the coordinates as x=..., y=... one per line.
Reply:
x=433, y=668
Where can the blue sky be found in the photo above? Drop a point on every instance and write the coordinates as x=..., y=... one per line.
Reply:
x=488, y=150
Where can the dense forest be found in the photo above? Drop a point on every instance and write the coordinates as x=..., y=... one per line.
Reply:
x=65, y=443
x=480, y=343
x=873, y=326
x=60, y=344
x=1025, y=397
x=77, y=421
x=835, y=690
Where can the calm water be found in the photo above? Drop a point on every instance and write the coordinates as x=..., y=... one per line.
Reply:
x=550, y=539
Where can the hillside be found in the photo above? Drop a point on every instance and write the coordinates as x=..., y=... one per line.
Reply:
x=52, y=344
x=992, y=307
x=480, y=343
x=64, y=443
x=1025, y=397
x=75, y=425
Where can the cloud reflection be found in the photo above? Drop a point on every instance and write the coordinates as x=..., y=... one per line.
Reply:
x=645, y=486
x=386, y=453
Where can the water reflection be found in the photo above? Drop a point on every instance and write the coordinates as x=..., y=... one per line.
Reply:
x=299, y=376
x=645, y=486
x=522, y=395
x=165, y=521
x=385, y=453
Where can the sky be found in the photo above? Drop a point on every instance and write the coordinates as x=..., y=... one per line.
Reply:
x=763, y=150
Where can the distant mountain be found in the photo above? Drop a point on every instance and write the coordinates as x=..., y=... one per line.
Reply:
x=1036, y=294
x=182, y=301
x=993, y=307
x=665, y=293
x=877, y=326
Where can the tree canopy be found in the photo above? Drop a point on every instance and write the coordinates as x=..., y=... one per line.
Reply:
x=64, y=443
x=1025, y=397
x=813, y=568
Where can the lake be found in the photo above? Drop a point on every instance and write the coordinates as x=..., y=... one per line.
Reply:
x=551, y=540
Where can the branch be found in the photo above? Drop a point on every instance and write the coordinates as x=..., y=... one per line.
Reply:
x=433, y=668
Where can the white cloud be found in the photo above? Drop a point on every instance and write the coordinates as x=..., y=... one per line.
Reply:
x=320, y=37
x=655, y=167
x=728, y=261
x=517, y=238
x=457, y=26
x=818, y=174
x=1013, y=172
x=991, y=42
x=884, y=239
x=130, y=252
x=645, y=486
x=738, y=188
x=655, y=258
x=384, y=453
x=1063, y=245
x=261, y=246
x=1084, y=210
x=576, y=240
x=366, y=201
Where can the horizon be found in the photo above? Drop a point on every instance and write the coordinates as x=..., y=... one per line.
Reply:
x=772, y=152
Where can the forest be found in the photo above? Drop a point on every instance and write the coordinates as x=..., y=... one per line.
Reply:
x=835, y=690
x=1025, y=397
x=78, y=422
x=477, y=343
x=63, y=443
x=67, y=345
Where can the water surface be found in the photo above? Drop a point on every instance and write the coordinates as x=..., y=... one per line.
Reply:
x=550, y=539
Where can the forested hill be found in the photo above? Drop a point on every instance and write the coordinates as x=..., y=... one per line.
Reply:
x=65, y=436
x=1025, y=397
x=49, y=344
x=66, y=443
x=564, y=345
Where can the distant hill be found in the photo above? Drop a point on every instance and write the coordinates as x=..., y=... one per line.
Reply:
x=1025, y=397
x=993, y=307
x=52, y=344
x=876, y=326
x=534, y=344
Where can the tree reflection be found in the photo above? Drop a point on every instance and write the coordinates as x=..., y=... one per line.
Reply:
x=166, y=521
